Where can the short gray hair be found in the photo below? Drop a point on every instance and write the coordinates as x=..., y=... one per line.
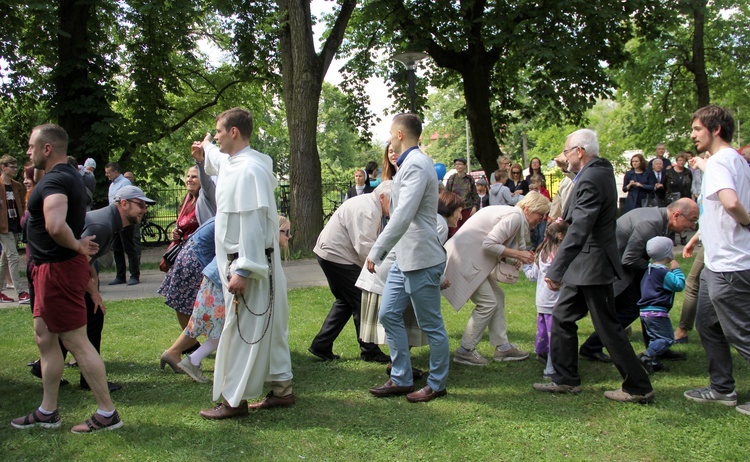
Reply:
x=383, y=188
x=587, y=139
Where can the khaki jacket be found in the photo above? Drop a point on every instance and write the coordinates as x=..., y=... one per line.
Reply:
x=475, y=249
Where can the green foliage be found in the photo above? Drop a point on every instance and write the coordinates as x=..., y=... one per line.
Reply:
x=659, y=81
x=445, y=120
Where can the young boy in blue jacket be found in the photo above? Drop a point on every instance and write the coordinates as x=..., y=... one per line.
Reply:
x=658, y=287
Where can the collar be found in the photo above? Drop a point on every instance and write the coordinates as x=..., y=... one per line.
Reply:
x=402, y=158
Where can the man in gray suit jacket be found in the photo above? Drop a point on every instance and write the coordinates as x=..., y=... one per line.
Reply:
x=584, y=269
x=419, y=265
x=634, y=229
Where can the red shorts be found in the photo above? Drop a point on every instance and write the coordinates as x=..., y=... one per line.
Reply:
x=59, y=289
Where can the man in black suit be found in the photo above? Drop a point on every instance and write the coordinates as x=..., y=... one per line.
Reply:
x=660, y=185
x=584, y=269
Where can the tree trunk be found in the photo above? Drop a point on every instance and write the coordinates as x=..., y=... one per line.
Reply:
x=302, y=80
x=699, y=54
x=79, y=100
x=477, y=95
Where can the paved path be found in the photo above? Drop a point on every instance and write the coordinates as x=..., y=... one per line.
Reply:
x=299, y=273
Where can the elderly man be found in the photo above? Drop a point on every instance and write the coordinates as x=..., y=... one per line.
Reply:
x=723, y=317
x=584, y=269
x=341, y=250
x=660, y=185
x=660, y=151
x=419, y=265
x=634, y=229
x=57, y=213
x=254, y=345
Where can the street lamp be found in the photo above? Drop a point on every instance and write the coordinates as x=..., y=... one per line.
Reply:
x=410, y=59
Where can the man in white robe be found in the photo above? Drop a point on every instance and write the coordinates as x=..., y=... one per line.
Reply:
x=254, y=346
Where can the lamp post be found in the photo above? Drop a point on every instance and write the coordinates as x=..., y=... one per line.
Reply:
x=410, y=59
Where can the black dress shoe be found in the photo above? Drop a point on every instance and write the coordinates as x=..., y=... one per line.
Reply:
x=133, y=281
x=378, y=357
x=117, y=281
x=416, y=374
x=36, y=371
x=670, y=355
x=596, y=356
x=323, y=356
x=192, y=349
x=111, y=385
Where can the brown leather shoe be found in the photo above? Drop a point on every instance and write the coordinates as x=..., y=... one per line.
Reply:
x=271, y=401
x=225, y=411
x=425, y=394
x=389, y=389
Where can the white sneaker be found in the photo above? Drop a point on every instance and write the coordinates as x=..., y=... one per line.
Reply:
x=469, y=358
x=513, y=354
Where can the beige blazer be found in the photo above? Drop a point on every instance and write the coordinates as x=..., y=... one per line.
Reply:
x=475, y=249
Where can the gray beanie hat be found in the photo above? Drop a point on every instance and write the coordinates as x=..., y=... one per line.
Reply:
x=659, y=248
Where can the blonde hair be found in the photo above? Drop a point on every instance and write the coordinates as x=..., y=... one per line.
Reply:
x=284, y=223
x=535, y=202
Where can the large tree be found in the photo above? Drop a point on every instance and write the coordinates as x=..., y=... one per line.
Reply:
x=303, y=70
x=117, y=75
x=515, y=59
x=696, y=56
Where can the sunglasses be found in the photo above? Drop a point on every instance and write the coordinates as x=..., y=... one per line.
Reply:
x=515, y=172
x=287, y=232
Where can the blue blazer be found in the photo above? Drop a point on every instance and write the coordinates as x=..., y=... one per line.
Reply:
x=637, y=195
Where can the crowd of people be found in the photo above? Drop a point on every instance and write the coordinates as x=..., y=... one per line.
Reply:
x=389, y=255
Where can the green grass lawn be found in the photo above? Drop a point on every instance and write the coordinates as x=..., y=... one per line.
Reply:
x=490, y=413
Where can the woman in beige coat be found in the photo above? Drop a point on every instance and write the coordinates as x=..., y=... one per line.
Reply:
x=493, y=233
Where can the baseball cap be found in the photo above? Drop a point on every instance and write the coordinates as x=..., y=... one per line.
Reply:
x=133, y=192
x=460, y=159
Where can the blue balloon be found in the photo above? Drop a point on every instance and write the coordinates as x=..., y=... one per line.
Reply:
x=440, y=170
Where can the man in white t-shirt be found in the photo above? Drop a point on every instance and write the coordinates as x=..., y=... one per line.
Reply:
x=723, y=316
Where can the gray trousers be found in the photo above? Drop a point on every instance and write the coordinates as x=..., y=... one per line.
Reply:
x=723, y=319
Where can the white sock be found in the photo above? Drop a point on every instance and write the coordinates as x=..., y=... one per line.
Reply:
x=206, y=348
x=44, y=411
x=105, y=413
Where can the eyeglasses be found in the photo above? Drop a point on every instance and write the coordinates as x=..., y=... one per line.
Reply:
x=10, y=166
x=691, y=220
x=141, y=205
x=566, y=151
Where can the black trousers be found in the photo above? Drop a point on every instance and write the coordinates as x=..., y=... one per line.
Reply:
x=599, y=300
x=348, y=304
x=626, y=311
x=124, y=245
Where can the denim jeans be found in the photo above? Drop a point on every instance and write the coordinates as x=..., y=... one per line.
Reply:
x=422, y=288
x=659, y=329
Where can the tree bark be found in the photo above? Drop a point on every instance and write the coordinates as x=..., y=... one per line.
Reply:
x=302, y=79
x=698, y=67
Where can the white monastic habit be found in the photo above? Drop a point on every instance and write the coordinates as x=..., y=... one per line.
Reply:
x=254, y=346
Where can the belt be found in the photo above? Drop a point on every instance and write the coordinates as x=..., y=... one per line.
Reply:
x=234, y=256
